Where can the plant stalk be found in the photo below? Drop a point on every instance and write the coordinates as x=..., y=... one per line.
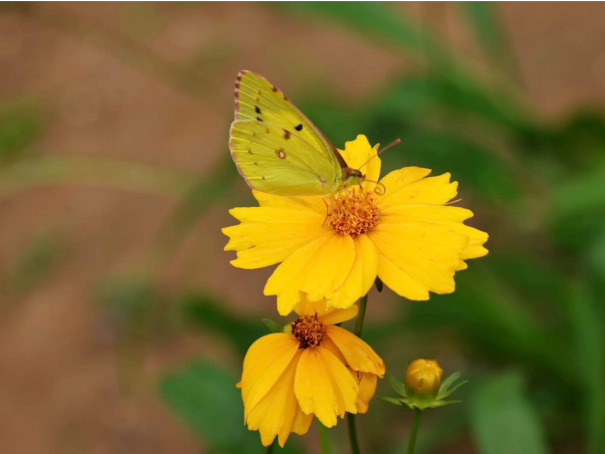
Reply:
x=324, y=438
x=363, y=303
x=414, y=434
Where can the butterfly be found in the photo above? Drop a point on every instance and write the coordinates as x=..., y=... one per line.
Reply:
x=276, y=147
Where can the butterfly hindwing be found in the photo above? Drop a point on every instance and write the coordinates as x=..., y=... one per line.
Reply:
x=278, y=161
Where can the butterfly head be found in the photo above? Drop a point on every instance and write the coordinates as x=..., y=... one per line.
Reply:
x=354, y=177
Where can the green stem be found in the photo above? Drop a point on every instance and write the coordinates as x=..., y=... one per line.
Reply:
x=324, y=438
x=353, y=434
x=414, y=434
x=363, y=303
x=269, y=449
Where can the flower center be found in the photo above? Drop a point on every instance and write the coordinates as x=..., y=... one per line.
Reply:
x=308, y=330
x=353, y=214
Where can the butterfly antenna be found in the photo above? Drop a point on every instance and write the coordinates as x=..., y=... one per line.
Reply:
x=382, y=150
x=380, y=188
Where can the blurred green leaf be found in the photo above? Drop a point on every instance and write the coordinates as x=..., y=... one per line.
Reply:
x=487, y=313
x=485, y=22
x=36, y=261
x=274, y=327
x=449, y=381
x=472, y=165
x=428, y=93
x=212, y=314
x=391, y=400
x=205, y=397
x=397, y=385
x=503, y=420
x=577, y=209
x=377, y=19
x=587, y=322
x=20, y=125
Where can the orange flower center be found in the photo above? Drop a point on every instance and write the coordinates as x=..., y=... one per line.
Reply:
x=308, y=330
x=353, y=214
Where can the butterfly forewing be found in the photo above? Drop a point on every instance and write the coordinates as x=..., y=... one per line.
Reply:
x=258, y=99
x=275, y=160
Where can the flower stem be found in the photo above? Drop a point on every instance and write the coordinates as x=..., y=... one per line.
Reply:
x=414, y=434
x=269, y=449
x=363, y=303
x=324, y=438
x=353, y=434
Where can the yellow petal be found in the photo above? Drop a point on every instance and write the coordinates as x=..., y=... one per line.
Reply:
x=317, y=269
x=416, y=257
x=336, y=316
x=357, y=153
x=324, y=386
x=329, y=344
x=359, y=355
x=449, y=217
x=267, y=236
x=362, y=276
x=367, y=388
x=329, y=316
x=398, y=179
x=301, y=421
x=264, y=364
x=277, y=410
x=306, y=307
x=403, y=187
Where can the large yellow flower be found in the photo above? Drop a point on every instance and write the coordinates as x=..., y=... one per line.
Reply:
x=333, y=248
x=316, y=369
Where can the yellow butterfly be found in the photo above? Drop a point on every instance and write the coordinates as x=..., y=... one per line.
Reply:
x=278, y=150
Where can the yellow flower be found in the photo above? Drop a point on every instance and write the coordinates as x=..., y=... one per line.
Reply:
x=317, y=369
x=333, y=248
x=423, y=378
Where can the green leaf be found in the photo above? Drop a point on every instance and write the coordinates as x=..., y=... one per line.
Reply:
x=205, y=397
x=452, y=390
x=392, y=400
x=211, y=313
x=376, y=19
x=486, y=24
x=503, y=421
x=445, y=384
x=444, y=403
x=587, y=323
x=20, y=125
x=36, y=261
x=274, y=327
x=397, y=385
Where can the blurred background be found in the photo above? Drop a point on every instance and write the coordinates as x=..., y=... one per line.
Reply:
x=122, y=323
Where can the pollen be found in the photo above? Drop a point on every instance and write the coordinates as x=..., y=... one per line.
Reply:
x=308, y=330
x=353, y=214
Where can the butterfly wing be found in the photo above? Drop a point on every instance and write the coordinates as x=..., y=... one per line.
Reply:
x=275, y=160
x=256, y=99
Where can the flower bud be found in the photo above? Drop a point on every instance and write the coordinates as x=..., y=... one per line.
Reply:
x=423, y=378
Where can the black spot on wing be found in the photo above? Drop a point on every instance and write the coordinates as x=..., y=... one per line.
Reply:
x=259, y=118
x=257, y=109
x=298, y=128
x=287, y=134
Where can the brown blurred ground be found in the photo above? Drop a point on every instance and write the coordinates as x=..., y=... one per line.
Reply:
x=59, y=389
